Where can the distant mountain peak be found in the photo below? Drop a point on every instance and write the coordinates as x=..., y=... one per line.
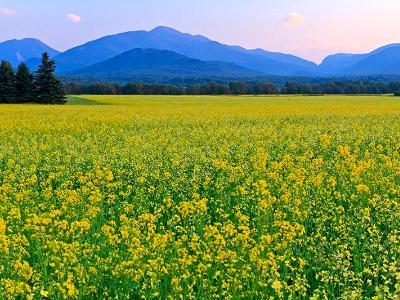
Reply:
x=21, y=50
x=23, y=40
x=168, y=31
x=164, y=29
x=389, y=46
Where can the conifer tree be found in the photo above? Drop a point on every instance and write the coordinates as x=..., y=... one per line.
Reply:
x=24, y=85
x=7, y=83
x=48, y=88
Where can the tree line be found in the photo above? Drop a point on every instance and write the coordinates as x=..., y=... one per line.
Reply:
x=134, y=88
x=234, y=88
x=23, y=86
x=342, y=87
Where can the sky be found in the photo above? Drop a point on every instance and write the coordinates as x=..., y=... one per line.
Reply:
x=311, y=29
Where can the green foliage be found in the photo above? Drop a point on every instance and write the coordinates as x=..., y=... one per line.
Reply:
x=7, y=83
x=23, y=87
x=49, y=89
x=25, y=92
x=233, y=88
x=340, y=87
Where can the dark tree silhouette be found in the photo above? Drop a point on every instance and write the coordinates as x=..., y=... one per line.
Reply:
x=7, y=83
x=48, y=88
x=25, y=92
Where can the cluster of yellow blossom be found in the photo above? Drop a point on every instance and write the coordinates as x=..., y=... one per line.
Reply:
x=201, y=198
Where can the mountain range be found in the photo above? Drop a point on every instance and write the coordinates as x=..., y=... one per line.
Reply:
x=166, y=52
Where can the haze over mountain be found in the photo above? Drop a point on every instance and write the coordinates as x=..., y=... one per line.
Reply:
x=17, y=51
x=238, y=60
x=152, y=62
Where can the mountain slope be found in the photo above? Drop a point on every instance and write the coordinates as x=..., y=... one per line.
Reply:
x=337, y=63
x=17, y=51
x=193, y=46
x=152, y=62
x=286, y=58
x=382, y=61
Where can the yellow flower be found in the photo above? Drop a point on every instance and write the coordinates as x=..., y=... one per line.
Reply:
x=44, y=293
x=277, y=286
x=362, y=188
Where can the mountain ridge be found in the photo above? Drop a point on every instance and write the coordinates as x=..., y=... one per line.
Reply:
x=193, y=46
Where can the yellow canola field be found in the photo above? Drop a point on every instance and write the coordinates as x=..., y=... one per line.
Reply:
x=159, y=197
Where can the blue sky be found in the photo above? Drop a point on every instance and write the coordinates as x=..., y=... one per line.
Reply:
x=309, y=28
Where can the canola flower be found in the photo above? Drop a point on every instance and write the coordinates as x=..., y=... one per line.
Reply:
x=201, y=198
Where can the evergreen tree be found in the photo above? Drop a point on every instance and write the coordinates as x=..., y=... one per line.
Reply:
x=24, y=85
x=7, y=83
x=48, y=88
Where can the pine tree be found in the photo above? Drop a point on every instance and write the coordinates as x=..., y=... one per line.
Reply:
x=48, y=88
x=7, y=83
x=24, y=85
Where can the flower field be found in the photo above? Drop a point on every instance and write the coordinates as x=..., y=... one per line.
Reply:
x=154, y=197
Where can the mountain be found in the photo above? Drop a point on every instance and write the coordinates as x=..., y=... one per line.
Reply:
x=151, y=62
x=337, y=63
x=286, y=58
x=193, y=46
x=17, y=51
x=382, y=61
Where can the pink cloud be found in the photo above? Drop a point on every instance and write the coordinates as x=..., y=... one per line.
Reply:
x=7, y=12
x=293, y=20
x=74, y=18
